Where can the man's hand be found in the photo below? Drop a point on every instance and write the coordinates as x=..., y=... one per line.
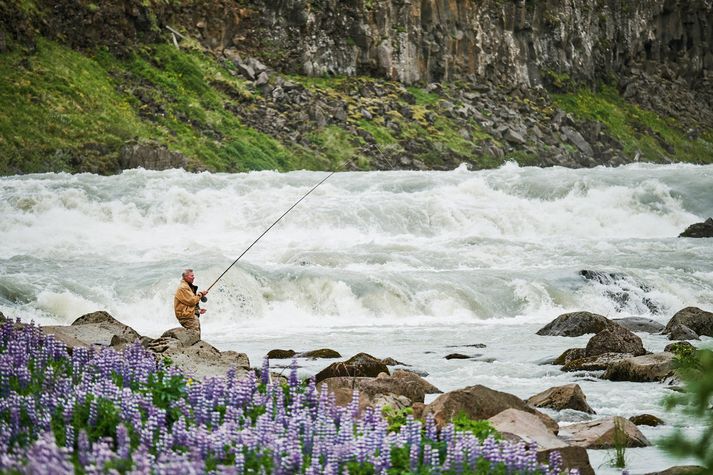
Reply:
x=202, y=311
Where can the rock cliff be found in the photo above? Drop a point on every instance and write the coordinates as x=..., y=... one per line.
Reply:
x=571, y=82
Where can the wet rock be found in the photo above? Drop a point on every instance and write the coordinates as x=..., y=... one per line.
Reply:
x=569, y=396
x=615, y=339
x=575, y=324
x=3, y=319
x=479, y=402
x=699, y=230
x=325, y=353
x=361, y=364
x=570, y=354
x=681, y=332
x=457, y=356
x=655, y=367
x=392, y=362
x=595, y=363
x=640, y=324
x=600, y=434
x=278, y=354
x=519, y=425
x=646, y=420
x=700, y=321
x=623, y=289
x=469, y=345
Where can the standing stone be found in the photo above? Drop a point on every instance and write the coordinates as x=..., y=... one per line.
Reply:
x=615, y=339
x=700, y=321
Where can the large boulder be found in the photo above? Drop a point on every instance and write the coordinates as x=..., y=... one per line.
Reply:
x=516, y=424
x=371, y=387
x=360, y=364
x=96, y=328
x=646, y=420
x=640, y=324
x=615, y=339
x=202, y=360
x=569, y=396
x=575, y=324
x=102, y=320
x=278, y=354
x=479, y=402
x=570, y=354
x=654, y=367
x=699, y=230
x=185, y=336
x=700, y=321
x=600, y=434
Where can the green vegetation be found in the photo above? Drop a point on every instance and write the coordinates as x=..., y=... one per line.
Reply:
x=695, y=368
x=638, y=130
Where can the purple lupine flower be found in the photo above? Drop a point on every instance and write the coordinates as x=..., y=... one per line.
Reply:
x=265, y=371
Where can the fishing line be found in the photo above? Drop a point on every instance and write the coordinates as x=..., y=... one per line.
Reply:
x=270, y=227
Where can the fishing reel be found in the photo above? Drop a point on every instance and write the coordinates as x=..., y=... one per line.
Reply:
x=204, y=299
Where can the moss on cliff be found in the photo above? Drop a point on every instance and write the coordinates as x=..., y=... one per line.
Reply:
x=641, y=133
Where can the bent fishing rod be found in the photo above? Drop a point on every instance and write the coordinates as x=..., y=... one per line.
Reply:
x=270, y=227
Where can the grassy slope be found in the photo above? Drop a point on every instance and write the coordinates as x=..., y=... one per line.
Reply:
x=63, y=110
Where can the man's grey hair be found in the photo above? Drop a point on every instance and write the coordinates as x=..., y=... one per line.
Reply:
x=186, y=272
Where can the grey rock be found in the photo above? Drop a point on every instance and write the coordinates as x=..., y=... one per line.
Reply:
x=594, y=363
x=599, y=434
x=699, y=230
x=183, y=335
x=700, y=321
x=654, y=367
x=640, y=324
x=615, y=339
x=514, y=137
x=150, y=157
x=577, y=139
x=202, y=361
x=681, y=332
x=575, y=324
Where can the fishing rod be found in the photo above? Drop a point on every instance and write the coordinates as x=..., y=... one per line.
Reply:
x=269, y=228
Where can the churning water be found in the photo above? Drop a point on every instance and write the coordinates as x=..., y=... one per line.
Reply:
x=412, y=265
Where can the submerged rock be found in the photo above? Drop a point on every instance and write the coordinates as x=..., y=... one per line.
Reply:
x=321, y=353
x=640, y=324
x=646, y=420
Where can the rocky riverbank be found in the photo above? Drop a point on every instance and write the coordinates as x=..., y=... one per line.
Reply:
x=614, y=352
x=235, y=86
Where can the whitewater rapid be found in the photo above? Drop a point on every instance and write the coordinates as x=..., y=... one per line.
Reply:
x=364, y=248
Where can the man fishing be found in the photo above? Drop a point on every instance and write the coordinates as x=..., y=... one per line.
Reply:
x=186, y=302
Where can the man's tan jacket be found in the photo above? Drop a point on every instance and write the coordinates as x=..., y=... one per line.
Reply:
x=185, y=301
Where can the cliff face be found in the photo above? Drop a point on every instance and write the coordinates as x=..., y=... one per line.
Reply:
x=518, y=41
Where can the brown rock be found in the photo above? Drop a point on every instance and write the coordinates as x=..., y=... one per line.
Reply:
x=202, y=360
x=595, y=363
x=103, y=320
x=699, y=230
x=479, y=402
x=646, y=420
x=183, y=335
x=679, y=346
x=412, y=377
x=280, y=354
x=321, y=353
x=681, y=332
x=570, y=355
x=371, y=387
x=569, y=396
x=700, y=321
x=615, y=339
x=575, y=324
x=599, y=434
x=361, y=364
x=655, y=367
x=519, y=425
